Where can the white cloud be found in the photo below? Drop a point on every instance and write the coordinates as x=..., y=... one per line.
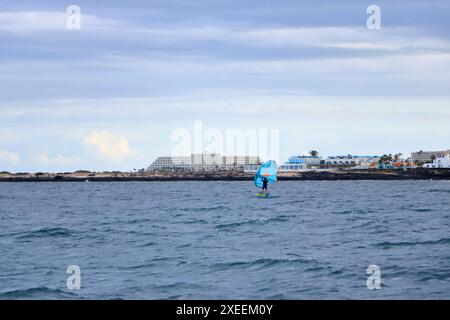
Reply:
x=391, y=39
x=111, y=146
x=433, y=64
x=9, y=158
x=26, y=22
x=59, y=160
x=352, y=38
x=228, y=103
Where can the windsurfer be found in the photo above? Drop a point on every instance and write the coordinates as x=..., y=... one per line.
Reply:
x=264, y=187
x=266, y=174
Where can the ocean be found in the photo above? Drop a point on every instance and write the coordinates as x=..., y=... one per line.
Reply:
x=217, y=240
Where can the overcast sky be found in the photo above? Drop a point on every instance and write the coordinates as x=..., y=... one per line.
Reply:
x=110, y=95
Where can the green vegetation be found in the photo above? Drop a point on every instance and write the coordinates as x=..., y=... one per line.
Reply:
x=397, y=156
x=386, y=159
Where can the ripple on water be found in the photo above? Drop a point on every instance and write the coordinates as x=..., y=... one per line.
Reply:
x=355, y=211
x=205, y=209
x=47, y=232
x=262, y=263
x=154, y=240
x=388, y=245
x=38, y=293
x=439, y=191
x=232, y=225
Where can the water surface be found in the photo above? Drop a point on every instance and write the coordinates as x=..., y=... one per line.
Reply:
x=216, y=240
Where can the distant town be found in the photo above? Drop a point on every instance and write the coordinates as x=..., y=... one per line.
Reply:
x=420, y=165
x=311, y=162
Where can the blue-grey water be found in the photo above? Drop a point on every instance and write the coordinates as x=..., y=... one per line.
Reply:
x=216, y=240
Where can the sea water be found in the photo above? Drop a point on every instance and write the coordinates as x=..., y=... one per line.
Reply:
x=217, y=240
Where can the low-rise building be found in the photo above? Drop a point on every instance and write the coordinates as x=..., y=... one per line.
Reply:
x=403, y=164
x=427, y=156
x=440, y=162
x=351, y=161
x=299, y=163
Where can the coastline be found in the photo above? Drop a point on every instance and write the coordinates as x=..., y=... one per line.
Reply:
x=336, y=175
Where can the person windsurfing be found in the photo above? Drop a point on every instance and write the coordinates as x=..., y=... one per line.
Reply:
x=266, y=174
x=264, y=186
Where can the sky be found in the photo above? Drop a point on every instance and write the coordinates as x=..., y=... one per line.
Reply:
x=110, y=95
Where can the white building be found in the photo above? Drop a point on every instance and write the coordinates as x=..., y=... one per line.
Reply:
x=215, y=161
x=251, y=168
x=351, y=161
x=171, y=164
x=204, y=162
x=427, y=156
x=299, y=163
x=440, y=162
x=239, y=162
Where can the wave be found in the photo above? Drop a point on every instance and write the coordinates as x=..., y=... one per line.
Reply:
x=358, y=211
x=425, y=276
x=387, y=245
x=262, y=263
x=38, y=293
x=186, y=245
x=179, y=285
x=137, y=221
x=422, y=210
x=47, y=232
x=203, y=209
x=253, y=222
x=148, y=244
x=439, y=191
x=195, y=221
x=141, y=266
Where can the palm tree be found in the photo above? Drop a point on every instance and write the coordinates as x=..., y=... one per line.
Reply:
x=314, y=153
x=385, y=158
x=397, y=156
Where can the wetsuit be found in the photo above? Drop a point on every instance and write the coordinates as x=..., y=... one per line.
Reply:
x=265, y=182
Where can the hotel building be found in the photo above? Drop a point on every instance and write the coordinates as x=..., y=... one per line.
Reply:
x=351, y=161
x=204, y=162
x=427, y=156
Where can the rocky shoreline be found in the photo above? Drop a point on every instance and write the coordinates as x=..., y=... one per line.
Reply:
x=335, y=175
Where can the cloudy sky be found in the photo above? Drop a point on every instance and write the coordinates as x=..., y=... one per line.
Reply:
x=110, y=95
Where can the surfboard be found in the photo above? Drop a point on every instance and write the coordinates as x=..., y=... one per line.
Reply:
x=262, y=195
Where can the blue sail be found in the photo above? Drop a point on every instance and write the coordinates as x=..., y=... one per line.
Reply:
x=269, y=170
